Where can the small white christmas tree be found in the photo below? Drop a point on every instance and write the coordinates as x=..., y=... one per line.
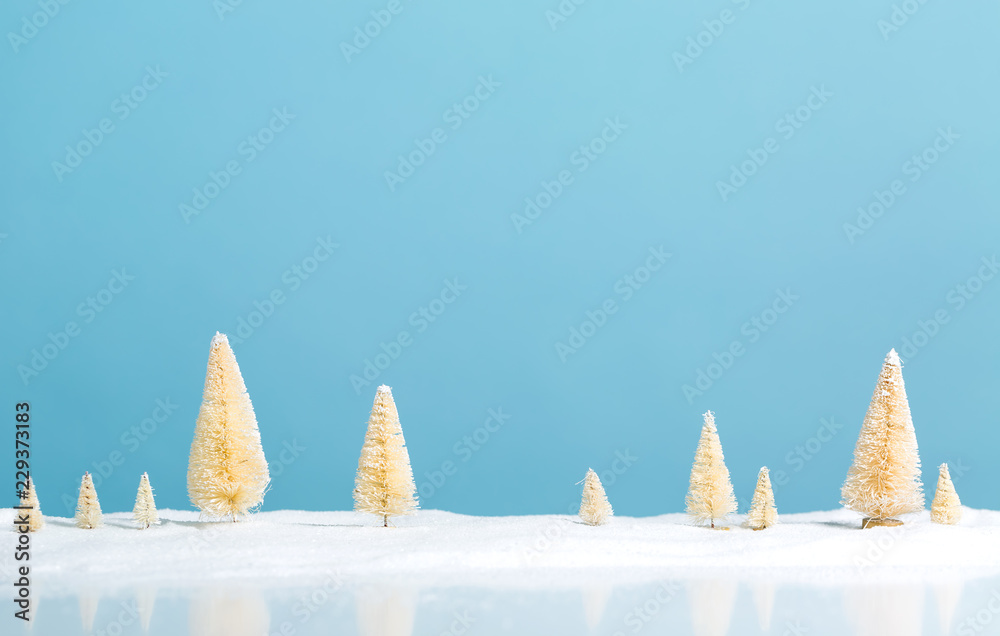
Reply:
x=946, y=507
x=144, y=511
x=88, y=509
x=594, y=507
x=33, y=512
x=763, y=514
x=710, y=495
x=227, y=472
x=884, y=480
x=384, y=483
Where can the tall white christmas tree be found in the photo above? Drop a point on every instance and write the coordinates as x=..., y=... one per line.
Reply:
x=594, y=507
x=884, y=480
x=710, y=495
x=384, y=483
x=88, y=509
x=144, y=511
x=30, y=509
x=946, y=507
x=227, y=472
x=763, y=514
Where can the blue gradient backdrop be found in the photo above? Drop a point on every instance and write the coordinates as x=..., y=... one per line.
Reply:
x=688, y=112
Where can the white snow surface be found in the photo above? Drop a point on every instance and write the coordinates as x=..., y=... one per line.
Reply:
x=287, y=549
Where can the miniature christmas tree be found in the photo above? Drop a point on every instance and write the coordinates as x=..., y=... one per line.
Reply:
x=144, y=511
x=884, y=480
x=88, y=509
x=946, y=507
x=30, y=509
x=594, y=508
x=227, y=472
x=384, y=483
x=710, y=495
x=762, y=511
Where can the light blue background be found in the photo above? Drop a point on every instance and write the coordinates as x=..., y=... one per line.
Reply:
x=494, y=347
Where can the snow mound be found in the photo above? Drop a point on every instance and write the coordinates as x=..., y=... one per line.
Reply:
x=295, y=548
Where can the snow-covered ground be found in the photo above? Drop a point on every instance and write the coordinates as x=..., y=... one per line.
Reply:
x=297, y=573
x=432, y=548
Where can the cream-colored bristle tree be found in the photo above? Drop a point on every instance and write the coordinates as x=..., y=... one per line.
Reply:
x=384, y=483
x=884, y=480
x=144, y=511
x=227, y=473
x=88, y=509
x=594, y=507
x=31, y=509
x=946, y=507
x=710, y=495
x=763, y=514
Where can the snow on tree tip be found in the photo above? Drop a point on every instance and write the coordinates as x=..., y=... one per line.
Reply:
x=893, y=358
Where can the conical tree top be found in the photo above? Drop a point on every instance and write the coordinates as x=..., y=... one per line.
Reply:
x=595, y=509
x=384, y=482
x=88, y=508
x=710, y=493
x=884, y=480
x=762, y=513
x=227, y=471
x=946, y=507
x=144, y=511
